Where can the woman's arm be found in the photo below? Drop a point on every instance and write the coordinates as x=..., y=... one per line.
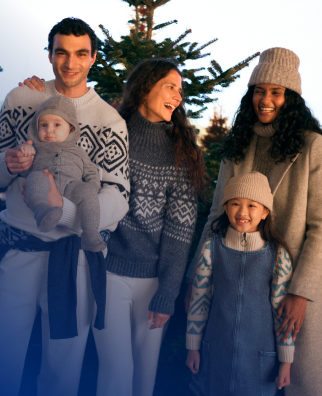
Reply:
x=282, y=276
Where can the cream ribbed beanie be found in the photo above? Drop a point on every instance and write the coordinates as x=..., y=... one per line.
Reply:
x=278, y=66
x=253, y=186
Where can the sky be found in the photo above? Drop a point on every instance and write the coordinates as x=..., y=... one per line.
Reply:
x=242, y=28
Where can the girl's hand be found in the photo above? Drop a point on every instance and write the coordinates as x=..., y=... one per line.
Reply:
x=157, y=319
x=284, y=375
x=193, y=361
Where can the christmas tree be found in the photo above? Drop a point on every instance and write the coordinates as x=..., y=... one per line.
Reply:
x=115, y=59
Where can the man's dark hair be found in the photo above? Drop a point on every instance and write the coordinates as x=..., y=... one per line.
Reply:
x=74, y=26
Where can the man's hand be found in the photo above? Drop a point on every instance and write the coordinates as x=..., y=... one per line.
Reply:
x=293, y=309
x=157, y=319
x=54, y=197
x=193, y=361
x=17, y=162
x=34, y=82
x=187, y=297
x=284, y=375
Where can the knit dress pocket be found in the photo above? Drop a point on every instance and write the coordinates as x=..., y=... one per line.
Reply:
x=269, y=372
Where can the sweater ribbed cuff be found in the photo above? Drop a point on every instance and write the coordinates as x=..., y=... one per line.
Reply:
x=5, y=176
x=161, y=304
x=68, y=218
x=285, y=353
x=193, y=341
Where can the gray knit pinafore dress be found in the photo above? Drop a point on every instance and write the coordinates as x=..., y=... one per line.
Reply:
x=238, y=352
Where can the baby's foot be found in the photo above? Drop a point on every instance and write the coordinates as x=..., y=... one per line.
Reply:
x=47, y=217
x=92, y=240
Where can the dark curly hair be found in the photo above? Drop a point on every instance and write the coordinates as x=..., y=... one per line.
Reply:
x=187, y=153
x=265, y=227
x=293, y=120
x=74, y=26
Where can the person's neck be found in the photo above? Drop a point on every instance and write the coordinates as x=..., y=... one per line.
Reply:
x=71, y=92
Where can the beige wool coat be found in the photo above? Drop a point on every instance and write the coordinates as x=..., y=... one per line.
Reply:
x=297, y=189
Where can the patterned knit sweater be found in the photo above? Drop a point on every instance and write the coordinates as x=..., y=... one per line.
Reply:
x=202, y=290
x=154, y=237
x=103, y=137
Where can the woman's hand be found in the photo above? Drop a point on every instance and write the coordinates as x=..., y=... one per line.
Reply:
x=294, y=308
x=157, y=319
x=187, y=297
x=54, y=197
x=17, y=162
x=34, y=82
x=193, y=361
x=284, y=375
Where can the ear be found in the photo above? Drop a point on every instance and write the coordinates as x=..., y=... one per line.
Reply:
x=225, y=207
x=265, y=213
x=72, y=129
x=93, y=59
x=49, y=57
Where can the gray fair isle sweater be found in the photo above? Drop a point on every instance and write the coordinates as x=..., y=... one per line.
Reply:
x=103, y=137
x=154, y=237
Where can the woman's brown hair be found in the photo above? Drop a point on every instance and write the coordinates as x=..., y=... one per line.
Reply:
x=187, y=153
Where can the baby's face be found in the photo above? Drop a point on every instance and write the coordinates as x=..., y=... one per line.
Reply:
x=52, y=128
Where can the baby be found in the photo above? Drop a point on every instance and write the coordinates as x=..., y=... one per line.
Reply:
x=54, y=131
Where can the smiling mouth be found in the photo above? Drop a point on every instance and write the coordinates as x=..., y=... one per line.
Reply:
x=70, y=73
x=169, y=106
x=242, y=221
x=266, y=109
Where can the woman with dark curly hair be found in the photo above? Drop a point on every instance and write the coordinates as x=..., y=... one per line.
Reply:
x=147, y=253
x=275, y=133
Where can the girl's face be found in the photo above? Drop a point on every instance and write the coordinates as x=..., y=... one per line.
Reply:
x=244, y=214
x=52, y=128
x=163, y=98
x=267, y=101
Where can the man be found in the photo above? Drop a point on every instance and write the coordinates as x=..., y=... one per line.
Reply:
x=23, y=274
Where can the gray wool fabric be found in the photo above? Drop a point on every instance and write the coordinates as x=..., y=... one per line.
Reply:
x=76, y=177
x=153, y=239
x=278, y=66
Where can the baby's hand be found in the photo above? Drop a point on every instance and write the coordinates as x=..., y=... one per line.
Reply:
x=27, y=150
x=284, y=375
x=193, y=361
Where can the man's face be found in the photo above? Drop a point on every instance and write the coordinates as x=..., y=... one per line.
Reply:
x=71, y=59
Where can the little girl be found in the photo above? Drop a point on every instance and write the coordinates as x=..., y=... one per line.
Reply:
x=247, y=267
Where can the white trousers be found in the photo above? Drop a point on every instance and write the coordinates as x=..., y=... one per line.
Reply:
x=128, y=351
x=23, y=291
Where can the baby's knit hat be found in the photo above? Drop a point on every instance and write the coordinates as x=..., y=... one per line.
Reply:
x=253, y=186
x=278, y=66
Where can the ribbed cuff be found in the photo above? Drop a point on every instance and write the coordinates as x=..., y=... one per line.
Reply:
x=68, y=218
x=285, y=353
x=193, y=341
x=5, y=176
x=162, y=305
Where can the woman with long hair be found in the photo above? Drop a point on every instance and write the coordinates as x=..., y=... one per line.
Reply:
x=147, y=253
x=275, y=133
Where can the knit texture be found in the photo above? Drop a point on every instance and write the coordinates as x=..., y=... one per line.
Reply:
x=154, y=237
x=103, y=137
x=253, y=186
x=278, y=66
x=263, y=162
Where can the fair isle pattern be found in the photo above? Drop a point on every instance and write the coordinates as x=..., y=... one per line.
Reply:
x=105, y=148
x=202, y=290
x=10, y=235
x=161, y=199
x=282, y=276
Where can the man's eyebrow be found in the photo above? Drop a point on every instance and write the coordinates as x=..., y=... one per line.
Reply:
x=78, y=51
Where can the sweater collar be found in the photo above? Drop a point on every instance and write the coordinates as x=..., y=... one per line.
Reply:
x=149, y=134
x=264, y=130
x=248, y=242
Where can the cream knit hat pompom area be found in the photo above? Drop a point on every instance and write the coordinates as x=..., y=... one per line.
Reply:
x=253, y=186
x=278, y=66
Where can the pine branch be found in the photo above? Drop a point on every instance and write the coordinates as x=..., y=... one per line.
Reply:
x=108, y=36
x=169, y=48
x=109, y=69
x=134, y=37
x=206, y=45
x=162, y=25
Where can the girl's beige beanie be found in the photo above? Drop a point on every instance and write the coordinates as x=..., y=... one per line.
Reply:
x=253, y=186
x=278, y=66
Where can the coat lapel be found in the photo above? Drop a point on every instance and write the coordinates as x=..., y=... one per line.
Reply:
x=278, y=172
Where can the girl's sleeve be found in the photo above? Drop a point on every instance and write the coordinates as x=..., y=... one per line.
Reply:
x=282, y=276
x=202, y=290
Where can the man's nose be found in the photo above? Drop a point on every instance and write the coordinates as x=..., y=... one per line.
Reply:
x=71, y=62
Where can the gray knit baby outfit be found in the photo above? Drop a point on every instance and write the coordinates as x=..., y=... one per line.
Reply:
x=76, y=177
